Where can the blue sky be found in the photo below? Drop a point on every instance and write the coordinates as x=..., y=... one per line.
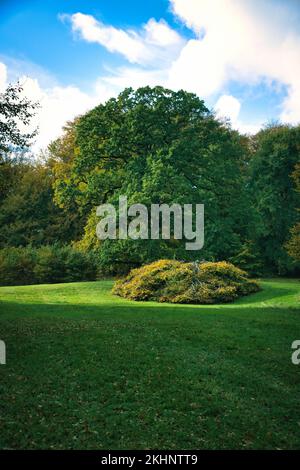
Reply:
x=30, y=30
x=241, y=56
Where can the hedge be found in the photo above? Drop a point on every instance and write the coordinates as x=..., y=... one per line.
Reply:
x=47, y=264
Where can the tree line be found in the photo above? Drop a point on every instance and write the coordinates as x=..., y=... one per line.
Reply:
x=154, y=146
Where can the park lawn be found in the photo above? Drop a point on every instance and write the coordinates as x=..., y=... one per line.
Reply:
x=87, y=370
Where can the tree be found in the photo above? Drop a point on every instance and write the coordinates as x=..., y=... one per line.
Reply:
x=276, y=152
x=61, y=157
x=14, y=110
x=157, y=146
x=28, y=214
x=293, y=245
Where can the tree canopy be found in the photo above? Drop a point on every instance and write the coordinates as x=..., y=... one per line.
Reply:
x=277, y=152
x=15, y=110
x=157, y=146
x=293, y=244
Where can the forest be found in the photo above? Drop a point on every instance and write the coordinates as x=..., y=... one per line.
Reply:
x=153, y=146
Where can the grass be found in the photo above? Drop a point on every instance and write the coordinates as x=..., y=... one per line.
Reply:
x=87, y=370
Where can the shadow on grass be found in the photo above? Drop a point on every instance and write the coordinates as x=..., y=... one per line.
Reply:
x=11, y=311
x=108, y=305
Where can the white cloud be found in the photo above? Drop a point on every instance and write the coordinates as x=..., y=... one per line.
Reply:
x=58, y=104
x=240, y=43
x=228, y=106
x=134, y=77
x=3, y=76
x=197, y=70
x=234, y=40
x=291, y=106
x=159, y=33
x=115, y=40
x=155, y=41
x=248, y=128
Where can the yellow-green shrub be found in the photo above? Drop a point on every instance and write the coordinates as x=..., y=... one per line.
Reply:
x=179, y=282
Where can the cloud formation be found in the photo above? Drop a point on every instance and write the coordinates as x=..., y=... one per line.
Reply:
x=155, y=41
x=228, y=106
x=3, y=76
x=240, y=43
x=234, y=41
x=58, y=104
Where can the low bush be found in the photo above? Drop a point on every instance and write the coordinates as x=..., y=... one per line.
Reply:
x=17, y=266
x=180, y=282
x=47, y=264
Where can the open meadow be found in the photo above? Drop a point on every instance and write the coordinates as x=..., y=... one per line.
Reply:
x=88, y=370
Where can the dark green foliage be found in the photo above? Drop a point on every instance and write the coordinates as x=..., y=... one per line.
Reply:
x=277, y=151
x=159, y=146
x=47, y=264
x=293, y=244
x=28, y=214
x=17, y=266
x=249, y=259
x=156, y=146
x=186, y=283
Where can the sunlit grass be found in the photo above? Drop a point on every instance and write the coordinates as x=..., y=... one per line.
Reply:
x=86, y=369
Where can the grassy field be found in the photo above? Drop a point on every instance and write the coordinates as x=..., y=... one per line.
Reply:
x=88, y=370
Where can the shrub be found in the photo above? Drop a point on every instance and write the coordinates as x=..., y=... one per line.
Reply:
x=48, y=264
x=17, y=266
x=180, y=282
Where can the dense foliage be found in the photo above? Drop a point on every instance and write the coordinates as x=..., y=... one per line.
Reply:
x=46, y=264
x=186, y=283
x=273, y=193
x=293, y=244
x=28, y=214
x=158, y=146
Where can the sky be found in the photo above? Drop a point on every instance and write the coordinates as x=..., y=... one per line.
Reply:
x=241, y=56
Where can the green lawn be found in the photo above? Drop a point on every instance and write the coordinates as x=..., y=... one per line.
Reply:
x=88, y=370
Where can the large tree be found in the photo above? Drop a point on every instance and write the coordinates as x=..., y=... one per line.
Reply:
x=276, y=152
x=156, y=146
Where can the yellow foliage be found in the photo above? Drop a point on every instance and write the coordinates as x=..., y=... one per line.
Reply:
x=179, y=282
